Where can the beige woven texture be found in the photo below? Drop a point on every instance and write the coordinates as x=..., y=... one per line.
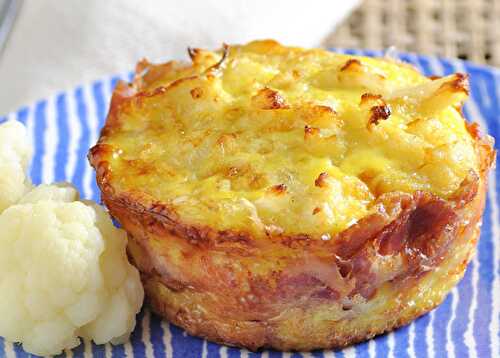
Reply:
x=467, y=29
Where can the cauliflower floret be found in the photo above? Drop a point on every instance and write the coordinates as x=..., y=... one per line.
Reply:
x=61, y=192
x=64, y=273
x=15, y=155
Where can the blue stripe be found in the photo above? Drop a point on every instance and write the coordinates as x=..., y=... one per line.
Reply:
x=381, y=346
x=62, y=151
x=2, y=344
x=362, y=349
x=448, y=67
x=424, y=64
x=275, y=354
x=492, y=89
x=100, y=101
x=420, y=339
x=369, y=53
x=318, y=354
x=213, y=350
x=402, y=342
x=20, y=353
x=98, y=351
x=22, y=115
x=3, y=119
x=442, y=315
x=39, y=145
x=349, y=52
x=156, y=335
x=83, y=145
x=113, y=82
x=459, y=326
x=183, y=345
x=406, y=58
x=118, y=351
x=233, y=352
x=252, y=355
x=100, y=107
x=138, y=347
x=79, y=351
x=491, y=115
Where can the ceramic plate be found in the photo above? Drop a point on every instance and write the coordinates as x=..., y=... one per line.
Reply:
x=64, y=126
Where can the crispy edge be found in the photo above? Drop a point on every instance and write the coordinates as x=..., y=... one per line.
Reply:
x=261, y=334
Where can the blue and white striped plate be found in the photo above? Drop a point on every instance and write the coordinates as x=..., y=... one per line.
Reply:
x=64, y=126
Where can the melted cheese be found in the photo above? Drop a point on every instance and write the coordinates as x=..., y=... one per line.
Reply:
x=286, y=141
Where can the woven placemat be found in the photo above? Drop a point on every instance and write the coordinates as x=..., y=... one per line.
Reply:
x=466, y=29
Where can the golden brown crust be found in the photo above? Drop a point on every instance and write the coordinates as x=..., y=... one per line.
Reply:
x=378, y=113
x=267, y=98
x=351, y=65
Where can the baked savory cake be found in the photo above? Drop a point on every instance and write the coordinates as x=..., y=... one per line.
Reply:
x=290, y=198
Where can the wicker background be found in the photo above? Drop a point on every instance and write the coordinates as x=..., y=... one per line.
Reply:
x=467, y=29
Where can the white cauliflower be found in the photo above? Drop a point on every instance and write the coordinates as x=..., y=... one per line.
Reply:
x=15, y=155
x=64, y=271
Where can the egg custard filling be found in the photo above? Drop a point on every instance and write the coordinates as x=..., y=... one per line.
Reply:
x=293, y=142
